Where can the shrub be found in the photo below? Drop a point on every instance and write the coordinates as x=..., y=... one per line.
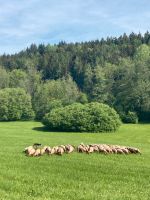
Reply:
x=15, y=104
x=130, y=117
x=92, y=117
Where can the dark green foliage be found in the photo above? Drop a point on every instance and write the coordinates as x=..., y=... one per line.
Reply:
x=130, y=117
x=4, y=78
x=56, y=93
x=92, y=117
x=144, y=116
x=17, y=78
x=114, y=71
x=15, y=104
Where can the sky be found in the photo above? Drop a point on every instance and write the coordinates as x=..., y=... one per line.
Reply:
x=23, y=22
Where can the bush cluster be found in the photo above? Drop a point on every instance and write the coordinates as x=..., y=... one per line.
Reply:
x=91, y=117
x=15, y=104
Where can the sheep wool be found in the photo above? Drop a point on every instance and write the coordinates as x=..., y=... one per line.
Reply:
x=82, y=148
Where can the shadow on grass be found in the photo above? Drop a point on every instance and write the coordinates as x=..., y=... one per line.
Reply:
x=48, y=130
x=42, y=129
x=45, y=129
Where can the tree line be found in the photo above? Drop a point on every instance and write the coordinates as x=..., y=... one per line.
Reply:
x=114, y=71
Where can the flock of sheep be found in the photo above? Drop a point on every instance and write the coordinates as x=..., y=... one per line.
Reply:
x=38, y=150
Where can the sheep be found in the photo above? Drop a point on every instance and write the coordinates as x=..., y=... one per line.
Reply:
x=107, y=148
x=43, y=150
x=90, y=149
x=113, y=150
x=69, y=148
x=95, y=147
x=60, y=151
x=64, y=147
x=29, y=151
x=119, y=151
x=102, y=149
x=37, y=152
x=49, y=150
x=54, y=150
x=126, y=151
x=133, y=150
x=81, y=148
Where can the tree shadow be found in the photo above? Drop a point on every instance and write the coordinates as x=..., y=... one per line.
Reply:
x=42, y=129
x=48, y=130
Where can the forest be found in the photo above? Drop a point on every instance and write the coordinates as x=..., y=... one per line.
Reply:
x=114, y=71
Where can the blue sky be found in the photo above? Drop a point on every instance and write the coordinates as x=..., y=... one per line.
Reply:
x=23, y=22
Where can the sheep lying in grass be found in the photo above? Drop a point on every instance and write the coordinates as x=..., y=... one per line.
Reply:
x=38, y=150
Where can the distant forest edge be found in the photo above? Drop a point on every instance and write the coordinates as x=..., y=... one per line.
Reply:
x=114, y=71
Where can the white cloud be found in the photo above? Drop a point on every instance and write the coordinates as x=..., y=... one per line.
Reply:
x=27, y=21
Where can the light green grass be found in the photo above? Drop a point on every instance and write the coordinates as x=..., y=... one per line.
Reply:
x=74, y=176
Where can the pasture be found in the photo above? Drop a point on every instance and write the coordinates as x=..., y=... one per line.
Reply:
x=74, y=176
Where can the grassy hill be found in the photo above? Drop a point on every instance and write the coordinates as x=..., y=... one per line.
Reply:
x=74, y=176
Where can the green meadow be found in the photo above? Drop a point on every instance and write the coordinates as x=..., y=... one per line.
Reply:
x=74, y=176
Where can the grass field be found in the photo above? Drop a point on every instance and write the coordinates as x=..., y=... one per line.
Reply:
x=74, y=176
